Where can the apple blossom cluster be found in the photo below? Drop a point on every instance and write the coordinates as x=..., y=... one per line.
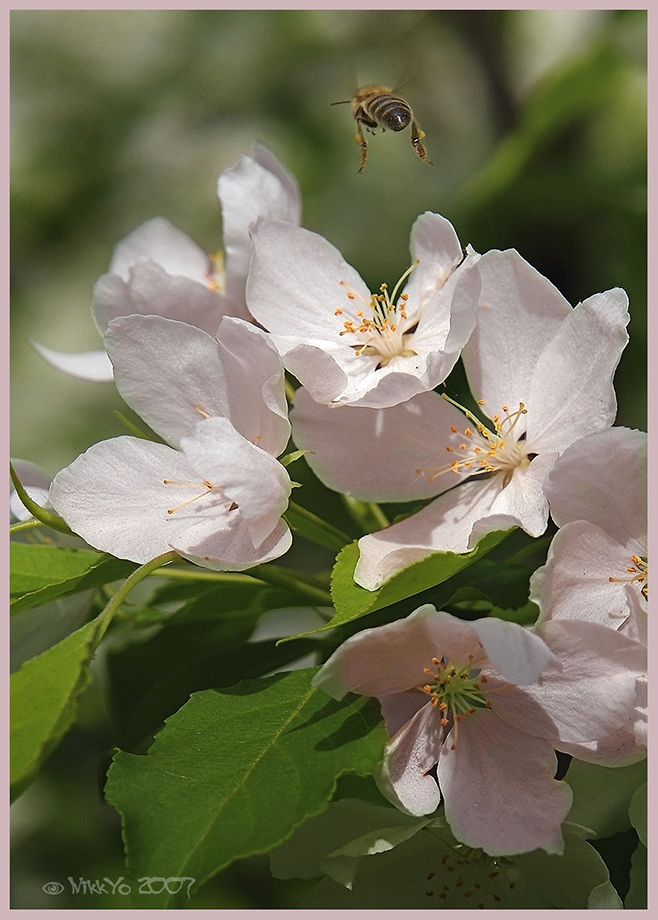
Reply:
x=199, y=346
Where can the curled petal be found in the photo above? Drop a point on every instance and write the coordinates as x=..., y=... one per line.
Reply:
x=411, y=753
x=570, y=398
x=149, y=290
x=230, y=548
x=246, y=475
x=94, y=366
x=160, y=242
x=253, y=188
x=445, y=525
x=174, y=375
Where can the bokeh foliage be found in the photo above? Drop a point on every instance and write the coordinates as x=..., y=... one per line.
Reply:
x=536, y=124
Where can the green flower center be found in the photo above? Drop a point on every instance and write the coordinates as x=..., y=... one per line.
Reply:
x=457, y=690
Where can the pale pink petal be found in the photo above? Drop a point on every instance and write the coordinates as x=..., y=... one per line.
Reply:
x=226, y=545
x=148, y=289
x=384, y=660
x=376, y=454
x=602, y=478
x=314, y=363
x=255, y=378
x=571, y=397
x=169, y=372
x=94, y=366
x=622, y=746
x=247, y=191
x=116, y=498
x=597, y=664
x=399, y=708
x=449, y=317
x=403, y=776
x=246, y=475
x=161, y=242
x=520, y=655
x=498, y=788
x=519, y=312
x=295, y=286
x=636, y=625
x=575, y=582
x=173, y=375
x=445, y=525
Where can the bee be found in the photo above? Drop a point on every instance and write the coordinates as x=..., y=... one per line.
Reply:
x=375, y=107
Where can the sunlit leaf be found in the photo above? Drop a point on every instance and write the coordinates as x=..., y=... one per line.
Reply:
x=233, y=773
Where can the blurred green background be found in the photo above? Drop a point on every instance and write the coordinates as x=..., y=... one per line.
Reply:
x=536, y=124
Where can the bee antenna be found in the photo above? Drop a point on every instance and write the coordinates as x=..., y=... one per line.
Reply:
x=342, y=102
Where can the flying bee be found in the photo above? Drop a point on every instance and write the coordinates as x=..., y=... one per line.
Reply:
x=375, y=107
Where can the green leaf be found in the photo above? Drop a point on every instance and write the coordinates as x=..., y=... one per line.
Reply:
x=44, y=695
x=201, y=646
x=45, y=690
x=637, y=812
x=346, y=821
x=568, y=880
x=604, y=897
x=636, y=899
x=602, y=795
x=352, y=601
x=41, y=573
x=430, y=871
x=234, y=772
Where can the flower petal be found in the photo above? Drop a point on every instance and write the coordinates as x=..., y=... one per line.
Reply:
x=523, y=498
x=94, y=366
x=519, y=312
x=597, y=665
x=149, y=289
x=575, y=582
x=602, y=478
x=295, y=284
x=228, y=546
x=410, y=755
x=498, y=788
x=173, y=375
x=253, y=188
x=382, y=660
x=445, y=525
x=376, y=454
x=161, y=242
x=246, y=475
x=520, y=655
x=115, y=497
x=569, y=397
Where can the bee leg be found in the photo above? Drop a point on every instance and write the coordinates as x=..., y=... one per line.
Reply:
x=417, y=134
x=360, y=138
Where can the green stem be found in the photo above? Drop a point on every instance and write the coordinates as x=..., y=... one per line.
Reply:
x=25, y=525
x=368, y=515
x=285, y=578
x=46, y=517
x=312, y=527
x=308, y=585
x=105, y=617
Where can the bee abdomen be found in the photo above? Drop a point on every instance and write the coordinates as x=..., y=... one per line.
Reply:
x=390, y=111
